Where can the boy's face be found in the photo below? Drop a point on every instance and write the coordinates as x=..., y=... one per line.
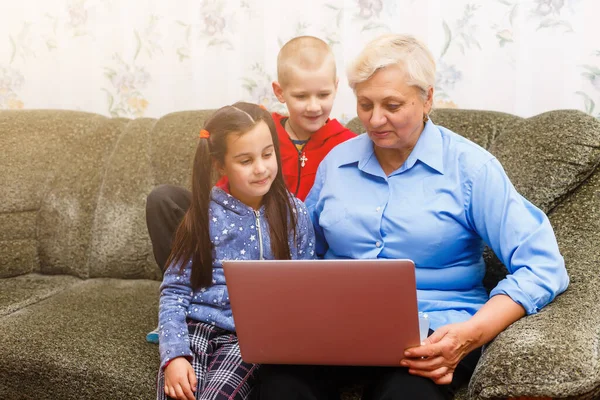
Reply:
x=309, y=97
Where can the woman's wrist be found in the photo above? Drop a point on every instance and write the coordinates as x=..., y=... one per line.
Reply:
x=496, y=315
x=476, y=331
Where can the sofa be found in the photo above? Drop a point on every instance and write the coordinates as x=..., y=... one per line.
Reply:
x=79, y=285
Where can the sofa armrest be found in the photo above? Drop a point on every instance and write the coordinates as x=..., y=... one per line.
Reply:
x=555, y=353
x=551, y=354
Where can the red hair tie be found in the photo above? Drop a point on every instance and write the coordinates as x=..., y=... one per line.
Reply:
x=204, y=134
x=263, y=107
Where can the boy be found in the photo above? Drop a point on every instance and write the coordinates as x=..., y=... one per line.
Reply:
x=307, y=84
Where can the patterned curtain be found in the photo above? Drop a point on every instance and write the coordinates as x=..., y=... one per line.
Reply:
x=136, y=58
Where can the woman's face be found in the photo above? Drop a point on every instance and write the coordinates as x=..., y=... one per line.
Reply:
x=390, y=110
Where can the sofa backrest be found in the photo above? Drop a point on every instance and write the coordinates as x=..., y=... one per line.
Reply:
x=152, y=153
x=50, y=172
x=74, y=184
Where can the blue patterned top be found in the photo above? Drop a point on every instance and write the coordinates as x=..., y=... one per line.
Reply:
x=238, y=232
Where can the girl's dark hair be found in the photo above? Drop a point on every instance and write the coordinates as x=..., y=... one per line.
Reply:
x=192, y=238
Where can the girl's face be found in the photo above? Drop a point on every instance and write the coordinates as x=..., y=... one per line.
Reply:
x=250, y=164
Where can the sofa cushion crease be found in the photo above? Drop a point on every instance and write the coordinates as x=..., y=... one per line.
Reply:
x=66, y=213
x=22, y=291
x=119, y=244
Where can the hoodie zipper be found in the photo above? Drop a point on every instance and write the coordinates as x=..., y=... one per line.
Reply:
x=260, y=242
x=299, y=173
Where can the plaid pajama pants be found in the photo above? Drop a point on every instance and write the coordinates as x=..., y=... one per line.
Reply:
x=221, y=373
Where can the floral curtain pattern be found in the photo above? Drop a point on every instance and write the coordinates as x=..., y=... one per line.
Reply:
x=146, y=58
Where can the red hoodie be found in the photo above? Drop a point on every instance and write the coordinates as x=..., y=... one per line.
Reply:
x=299, y=177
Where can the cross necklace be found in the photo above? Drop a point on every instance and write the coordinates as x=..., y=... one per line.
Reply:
x=303, y=158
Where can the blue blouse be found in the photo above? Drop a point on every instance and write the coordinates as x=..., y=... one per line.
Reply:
x=439, y=209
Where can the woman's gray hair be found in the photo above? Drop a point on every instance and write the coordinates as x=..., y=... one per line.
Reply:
x=395, y=49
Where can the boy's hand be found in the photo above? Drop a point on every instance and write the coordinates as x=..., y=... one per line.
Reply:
x=180, y=379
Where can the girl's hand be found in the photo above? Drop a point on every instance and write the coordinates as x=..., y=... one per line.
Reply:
x=180, y=379
x=441, y=352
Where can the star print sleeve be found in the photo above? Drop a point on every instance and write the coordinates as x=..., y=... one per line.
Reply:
x=175, y=297
x=305, y=234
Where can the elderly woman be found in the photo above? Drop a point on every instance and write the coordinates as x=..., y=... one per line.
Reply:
x=411, y=189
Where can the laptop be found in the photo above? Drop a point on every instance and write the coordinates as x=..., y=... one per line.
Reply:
x=324, y=312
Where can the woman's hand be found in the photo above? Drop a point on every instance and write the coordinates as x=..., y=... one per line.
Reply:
x=180, y=379
x=441, y=352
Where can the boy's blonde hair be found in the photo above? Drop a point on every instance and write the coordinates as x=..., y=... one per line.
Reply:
x=303, y=52
x=395, y=49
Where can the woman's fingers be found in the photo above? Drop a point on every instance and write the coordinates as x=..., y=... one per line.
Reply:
x=446, y=379
x=426, y=364
x=439, y=354
x=436, y=375
x=427, y=350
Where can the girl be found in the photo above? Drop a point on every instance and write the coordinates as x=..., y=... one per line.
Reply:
x=252, y=216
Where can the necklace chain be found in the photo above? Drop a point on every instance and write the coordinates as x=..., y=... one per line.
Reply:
x=291, y=130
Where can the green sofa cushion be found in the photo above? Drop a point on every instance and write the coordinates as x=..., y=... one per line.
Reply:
x=84, y=342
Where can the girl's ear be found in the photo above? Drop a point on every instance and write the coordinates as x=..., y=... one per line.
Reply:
x=219, y=167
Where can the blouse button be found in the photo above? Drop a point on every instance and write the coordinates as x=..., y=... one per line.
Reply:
x=378, y=244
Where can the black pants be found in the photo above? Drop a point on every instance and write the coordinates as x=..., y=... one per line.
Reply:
x=165, y=208
x=310, y=382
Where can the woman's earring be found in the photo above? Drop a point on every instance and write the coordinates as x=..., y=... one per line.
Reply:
x=425, y=117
